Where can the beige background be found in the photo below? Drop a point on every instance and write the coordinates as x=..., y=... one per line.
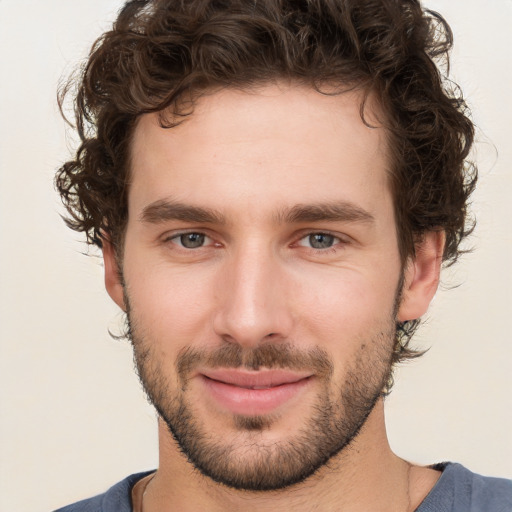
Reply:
x=73, y=418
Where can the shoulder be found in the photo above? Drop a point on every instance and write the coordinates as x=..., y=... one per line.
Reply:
x=116, y=499
x=88, y=505
x=460, y=490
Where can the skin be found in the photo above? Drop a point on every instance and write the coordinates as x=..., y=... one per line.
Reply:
x=250, y=156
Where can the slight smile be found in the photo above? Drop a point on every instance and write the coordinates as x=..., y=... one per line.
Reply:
x=253, y=393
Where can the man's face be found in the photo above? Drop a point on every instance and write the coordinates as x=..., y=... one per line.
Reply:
x=262, y=274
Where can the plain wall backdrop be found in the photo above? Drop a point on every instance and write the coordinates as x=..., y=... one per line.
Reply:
x=73, y=417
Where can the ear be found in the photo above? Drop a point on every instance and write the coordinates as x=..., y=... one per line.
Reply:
x=422, y=276
x=113, y=282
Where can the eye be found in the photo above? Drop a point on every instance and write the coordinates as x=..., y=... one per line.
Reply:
x=190, y=240
x=319, y=241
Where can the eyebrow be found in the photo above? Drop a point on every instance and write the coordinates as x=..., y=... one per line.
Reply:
x=340, y=211
x=165, y=210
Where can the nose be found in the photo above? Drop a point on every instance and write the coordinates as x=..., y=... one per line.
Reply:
x=252, y=299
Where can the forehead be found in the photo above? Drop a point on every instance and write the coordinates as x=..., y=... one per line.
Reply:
x=273, y=146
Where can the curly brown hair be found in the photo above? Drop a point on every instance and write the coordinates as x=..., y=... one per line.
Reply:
x=161, y=54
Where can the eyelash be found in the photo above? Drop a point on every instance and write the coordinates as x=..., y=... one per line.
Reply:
x=177, y=236
x=327, y=250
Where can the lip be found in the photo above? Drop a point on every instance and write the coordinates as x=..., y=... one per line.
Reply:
x=255, y=379
x=253, y=393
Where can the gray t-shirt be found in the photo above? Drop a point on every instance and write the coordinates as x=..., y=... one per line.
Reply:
x=457, y=490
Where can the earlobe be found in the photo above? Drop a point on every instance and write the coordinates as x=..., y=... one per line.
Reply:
x=113, y=282
x=422, y=276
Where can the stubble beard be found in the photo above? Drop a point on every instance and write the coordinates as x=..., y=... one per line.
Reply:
x=246, y=458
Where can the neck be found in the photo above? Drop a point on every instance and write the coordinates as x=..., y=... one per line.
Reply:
x=366, y=475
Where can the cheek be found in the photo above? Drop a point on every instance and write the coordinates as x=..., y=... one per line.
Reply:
x=353, y=321
x=342, y=311
x=171, y=306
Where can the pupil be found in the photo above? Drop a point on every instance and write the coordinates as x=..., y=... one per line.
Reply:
x=192, y=240
x=321, y=241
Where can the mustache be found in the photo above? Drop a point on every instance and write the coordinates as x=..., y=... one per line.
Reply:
x=269, y=355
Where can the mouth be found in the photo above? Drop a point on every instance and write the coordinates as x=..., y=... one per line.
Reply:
x=253, y=392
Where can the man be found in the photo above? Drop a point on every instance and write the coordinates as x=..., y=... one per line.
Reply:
x=274, y=187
